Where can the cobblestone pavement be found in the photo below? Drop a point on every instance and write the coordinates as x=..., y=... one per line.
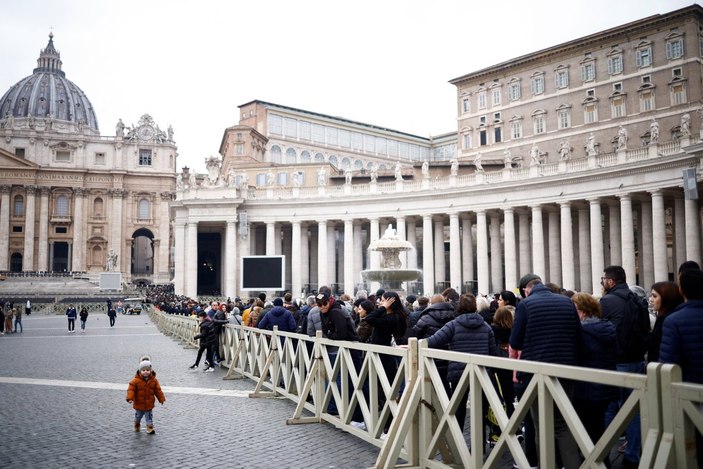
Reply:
x=63, y=405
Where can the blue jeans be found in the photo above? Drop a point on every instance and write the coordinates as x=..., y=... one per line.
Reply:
x=144, y=413
x=632, y=432
x=82, y=324
x=18, y=322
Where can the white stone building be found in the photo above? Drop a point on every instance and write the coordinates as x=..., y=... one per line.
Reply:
x=69, y=195
x=564, y=161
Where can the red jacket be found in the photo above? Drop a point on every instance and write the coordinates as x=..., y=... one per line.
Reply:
x=143, y=392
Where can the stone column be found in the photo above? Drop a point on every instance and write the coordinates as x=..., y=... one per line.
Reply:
x=270, y=238
x=496, y=254
x=374, y=256
x=296, y=259
x=116, y=224
x=454, y=252
x=525, y=243
x=439, y=263
x=412, y=239
x=322, y=277
x=305, y=255
x=349, y=257
x=332, y=256
x=596, y=243
x=615, y=235
x=400, y=230
x=191, y=264
x=230, y=267
x=661, y=265
x=427, y=257
x=163, y=274
x=538, y=263
x=511, y=276
x=358, y=253
x=647, y=253
x=179, y=258
x=482, y=252
x=5, y=190
x=554, y=247
x=627, y=231
x=679, y=231
x=567, y=248
x=585, y=272
x=29, y=220
x=693, y=231
x=467, y=249
x=43, y=251
x=78, y=226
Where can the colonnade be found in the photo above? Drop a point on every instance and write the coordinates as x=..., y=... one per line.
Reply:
x=567, y=242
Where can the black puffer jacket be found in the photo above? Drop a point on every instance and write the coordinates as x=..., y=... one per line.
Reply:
x=468, y=333
x=599, y=344
x=207, y=334
x=432, y=319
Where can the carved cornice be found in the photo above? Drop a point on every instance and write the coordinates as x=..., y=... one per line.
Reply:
x=30, y=189
x=5, y=189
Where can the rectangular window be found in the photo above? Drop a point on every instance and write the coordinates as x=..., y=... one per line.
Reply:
x=61, y=230
x=496, y=117
x=100, y=158
x=564, y=118
x=282, y=179
x=381, y=146
x=466, y=141
x=643, y=57
x=290, y=127
x=275, y=124
x=261, y=179
x=483, y=138
x=369, y=143
x=19, y=152
x=538, y=84
x=357, y=141
x=539, y=125
x=392, y=148
x=497, y=135
x=239, y=148
x=677, y=73
x=588, y=72
x=516, y=130
x=16, y=229
x=561, y=79
x=674, y=49
x=590, y=113
x=514, y=91
x=646, y=101
x=466, y=105
x=144, y=157
x=615, y=65
x=332, y=135
x=403, y=150
x=63, y=156
x=618, y=107
x=318, y=133
x=678, y=94
x=496, y=97
x=482, y=101
x=344, y=138
x=305, y=130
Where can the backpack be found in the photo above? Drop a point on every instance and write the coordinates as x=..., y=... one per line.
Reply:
x=302, y=324
x=636, y=325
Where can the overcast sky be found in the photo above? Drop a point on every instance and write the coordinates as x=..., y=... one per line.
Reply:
x=190, y=64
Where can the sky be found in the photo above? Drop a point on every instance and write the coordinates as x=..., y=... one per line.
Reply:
x=383, y=62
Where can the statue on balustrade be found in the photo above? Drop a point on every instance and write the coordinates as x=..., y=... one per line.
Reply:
x=454, y=169
x=654, y=132
x=686, y=125
x=591, y=145
x=622, y=138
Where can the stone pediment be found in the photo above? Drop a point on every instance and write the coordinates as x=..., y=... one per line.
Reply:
x=10, y=161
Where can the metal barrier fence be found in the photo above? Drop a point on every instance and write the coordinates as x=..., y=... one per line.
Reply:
x=424, y=432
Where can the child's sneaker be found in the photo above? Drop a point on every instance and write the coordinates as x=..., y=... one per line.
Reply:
x=209, y=370
x=150, y=429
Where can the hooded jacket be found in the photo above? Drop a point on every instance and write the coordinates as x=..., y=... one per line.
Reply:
x=467, y=333
x=278, y=316
x=144, y=392
x=432, y=319
x=598, y=351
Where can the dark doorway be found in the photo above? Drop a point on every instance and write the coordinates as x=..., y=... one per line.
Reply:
x=16, y=262
x=209, y=263
x=60, y=261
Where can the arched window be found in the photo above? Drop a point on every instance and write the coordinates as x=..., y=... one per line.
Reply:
x=346, y=163
x=333, y=161
x=275, y=154
x=290, y=155
x=305, y=157
x=358, y=164
x=19, y=206
x=61, y=208
x=143, y=209
x=98, y=208
x=319, y=158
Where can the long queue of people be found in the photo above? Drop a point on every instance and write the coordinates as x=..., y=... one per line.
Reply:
x=622, y=330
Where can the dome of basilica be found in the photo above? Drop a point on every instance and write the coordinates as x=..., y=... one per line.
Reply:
x=46, y=93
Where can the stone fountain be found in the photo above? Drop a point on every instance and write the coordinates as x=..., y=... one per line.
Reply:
x=391, y=274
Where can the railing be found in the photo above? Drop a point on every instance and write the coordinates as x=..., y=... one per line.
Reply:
x=424, y=432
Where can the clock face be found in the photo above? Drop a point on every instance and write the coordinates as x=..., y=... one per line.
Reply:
x=146, y=132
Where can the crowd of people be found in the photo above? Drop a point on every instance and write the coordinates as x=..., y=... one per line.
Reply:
x=623, y=329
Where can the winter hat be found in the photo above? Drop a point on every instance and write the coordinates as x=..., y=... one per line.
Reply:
x=278, y=302
x=527, y=278
x=144, y=364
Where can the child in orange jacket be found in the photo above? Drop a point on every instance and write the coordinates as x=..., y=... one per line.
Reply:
x=143, y=390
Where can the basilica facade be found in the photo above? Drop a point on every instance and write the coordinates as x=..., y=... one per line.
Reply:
x=563, y=161
x=73, y=200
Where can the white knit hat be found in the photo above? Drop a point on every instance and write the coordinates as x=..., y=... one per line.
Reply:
x=144, y=364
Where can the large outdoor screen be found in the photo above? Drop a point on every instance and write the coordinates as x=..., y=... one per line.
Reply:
x=263, y=273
